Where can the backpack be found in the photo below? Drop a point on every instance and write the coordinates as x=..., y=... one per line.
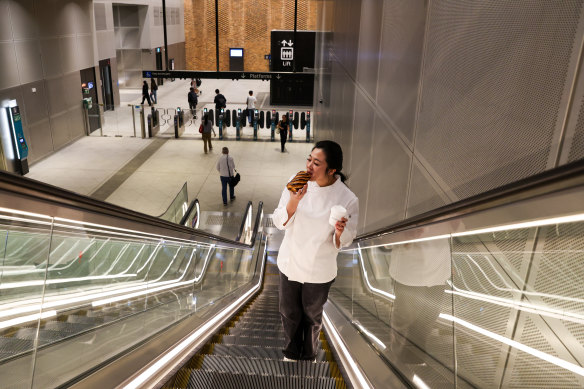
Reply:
x=221, y=101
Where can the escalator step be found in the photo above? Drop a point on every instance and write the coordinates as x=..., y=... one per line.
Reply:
x=70, y=328
x=271, y=333
x=201, y=379
x=256, y=352
x=86, y=320
x=15, y=345
x=45, y=336
x=228, y=364
x=254, y=341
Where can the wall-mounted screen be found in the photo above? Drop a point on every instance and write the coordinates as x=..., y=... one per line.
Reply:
x=236, y=52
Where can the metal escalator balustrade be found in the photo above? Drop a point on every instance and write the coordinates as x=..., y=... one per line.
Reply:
x=82, y=281
x=486, y=295
x=247, y=352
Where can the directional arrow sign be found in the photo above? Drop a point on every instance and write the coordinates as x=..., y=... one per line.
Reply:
x=242, y=75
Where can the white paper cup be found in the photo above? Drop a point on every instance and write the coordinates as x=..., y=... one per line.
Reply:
x=337, y=213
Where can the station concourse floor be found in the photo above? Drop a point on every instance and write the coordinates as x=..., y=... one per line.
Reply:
x=145, y=174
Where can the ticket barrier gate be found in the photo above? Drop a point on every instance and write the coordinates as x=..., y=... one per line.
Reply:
x=273, y=122
x=220, y=118
x=237, y=122
x=305, y=121
x=179, y=122
x=256, y=118
x=153, y=123
x=290, y=124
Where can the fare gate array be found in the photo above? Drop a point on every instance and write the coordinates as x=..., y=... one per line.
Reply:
x=260, y=119
x=161, y=117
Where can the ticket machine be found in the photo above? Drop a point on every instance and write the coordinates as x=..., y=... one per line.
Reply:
x=15, y=147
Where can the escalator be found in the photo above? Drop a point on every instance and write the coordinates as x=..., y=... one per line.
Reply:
x=247, y=352
x=486, y=292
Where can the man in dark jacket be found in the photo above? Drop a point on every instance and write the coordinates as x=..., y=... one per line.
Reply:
x=145, y=94
x=193, y=101
x=220, y=101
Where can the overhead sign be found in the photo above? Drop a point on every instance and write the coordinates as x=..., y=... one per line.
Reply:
x=187, y=74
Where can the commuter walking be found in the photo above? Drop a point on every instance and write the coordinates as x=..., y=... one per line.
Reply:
x=251, y=100
x=207, y=129
x=226, y=168
x=145, y=95
x=220, y=101
x=153, y=91
x=193, y=101
x=315, y=231
x=283, y=128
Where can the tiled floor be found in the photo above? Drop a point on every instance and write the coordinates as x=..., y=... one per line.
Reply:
x=89, y=163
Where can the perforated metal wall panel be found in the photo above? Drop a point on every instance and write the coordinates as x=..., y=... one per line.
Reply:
x=555, y=276
x=577, y=143
x=425, y=194
x=494, y=76
x=402, y=43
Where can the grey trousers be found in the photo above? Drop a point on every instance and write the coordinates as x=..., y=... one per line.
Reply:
x=301, y=306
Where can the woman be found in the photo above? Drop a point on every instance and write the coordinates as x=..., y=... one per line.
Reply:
x=207, y=129
x=283, y=128
x=307, y=259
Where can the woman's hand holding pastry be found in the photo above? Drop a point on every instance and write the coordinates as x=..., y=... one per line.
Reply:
x=299, y=193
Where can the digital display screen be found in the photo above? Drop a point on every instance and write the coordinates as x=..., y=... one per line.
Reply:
x=236, y=52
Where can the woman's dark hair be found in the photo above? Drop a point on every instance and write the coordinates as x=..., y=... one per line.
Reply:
x=206, y=117
x=333, y=155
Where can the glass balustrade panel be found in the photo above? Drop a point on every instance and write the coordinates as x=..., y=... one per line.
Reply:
x=24, y=251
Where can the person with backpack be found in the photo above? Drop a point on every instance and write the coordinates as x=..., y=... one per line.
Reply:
x=220, y=101
x=193, y=101
x=251, y=100
x=153, y=90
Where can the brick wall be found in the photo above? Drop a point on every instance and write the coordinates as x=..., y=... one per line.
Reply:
x=242, y=23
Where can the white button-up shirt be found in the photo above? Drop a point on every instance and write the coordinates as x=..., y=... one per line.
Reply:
x=224, y=161
x=308, y=252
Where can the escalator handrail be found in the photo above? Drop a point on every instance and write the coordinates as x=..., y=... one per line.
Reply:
x=258, y=220
x=192, y=205
x=248, y=209
x=39, y=191
x=172, y=202
x=563, y=177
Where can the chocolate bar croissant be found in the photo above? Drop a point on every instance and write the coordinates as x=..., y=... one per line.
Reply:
x=298, y=181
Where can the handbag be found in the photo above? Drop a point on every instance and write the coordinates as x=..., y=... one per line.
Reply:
x=233, y=180
x=201, y=128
